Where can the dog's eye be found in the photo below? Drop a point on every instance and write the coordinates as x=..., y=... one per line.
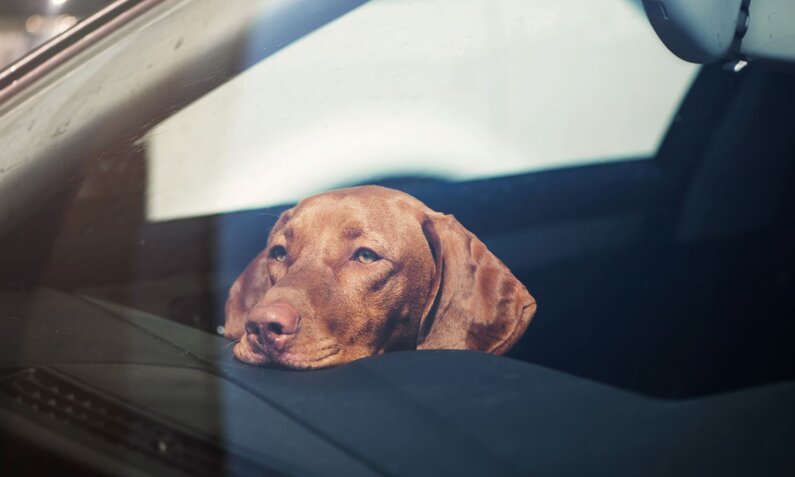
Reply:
x=365, y=255
x=278, y=253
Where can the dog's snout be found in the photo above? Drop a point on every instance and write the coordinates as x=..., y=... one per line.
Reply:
x=274, y=324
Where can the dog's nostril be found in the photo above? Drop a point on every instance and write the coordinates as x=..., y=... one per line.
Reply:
x=275, y=328
x=252, y=328
x=280, y=320
x=254, y=332
x=273, y=323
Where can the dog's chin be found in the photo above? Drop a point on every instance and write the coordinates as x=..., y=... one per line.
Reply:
x=288, y=359
x=244, y=353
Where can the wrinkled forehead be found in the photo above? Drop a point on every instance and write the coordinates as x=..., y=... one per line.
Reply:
x=381, y=216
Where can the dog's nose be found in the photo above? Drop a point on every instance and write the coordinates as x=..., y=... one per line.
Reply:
x=276, y=324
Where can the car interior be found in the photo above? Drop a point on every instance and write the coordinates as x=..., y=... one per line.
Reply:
x=664, y=281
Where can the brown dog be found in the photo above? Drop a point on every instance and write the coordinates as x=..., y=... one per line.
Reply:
x=365, y=270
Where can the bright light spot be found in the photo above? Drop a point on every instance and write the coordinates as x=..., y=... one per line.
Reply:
x=57, y=2
x=33, y=23
x=65, y=22
x=739, y=65
x=219, y=329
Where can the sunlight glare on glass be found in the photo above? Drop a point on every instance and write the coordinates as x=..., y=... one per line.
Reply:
x=33, y=24
x=457, y=100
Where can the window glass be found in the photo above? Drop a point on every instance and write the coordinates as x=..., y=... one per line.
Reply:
x=447, y=89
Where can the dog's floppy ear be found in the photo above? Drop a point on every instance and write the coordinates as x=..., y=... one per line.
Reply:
x=247, y=290
x=475, y=301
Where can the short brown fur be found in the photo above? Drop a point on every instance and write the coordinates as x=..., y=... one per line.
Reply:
x=434, y=285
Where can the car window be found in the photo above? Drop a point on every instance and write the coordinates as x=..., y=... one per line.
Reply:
x=453, y=90
x=644, y=201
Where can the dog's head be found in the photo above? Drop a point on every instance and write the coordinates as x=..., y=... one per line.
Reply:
x=365, y=270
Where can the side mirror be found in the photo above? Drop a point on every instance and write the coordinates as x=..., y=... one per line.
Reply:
x=706, y=31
